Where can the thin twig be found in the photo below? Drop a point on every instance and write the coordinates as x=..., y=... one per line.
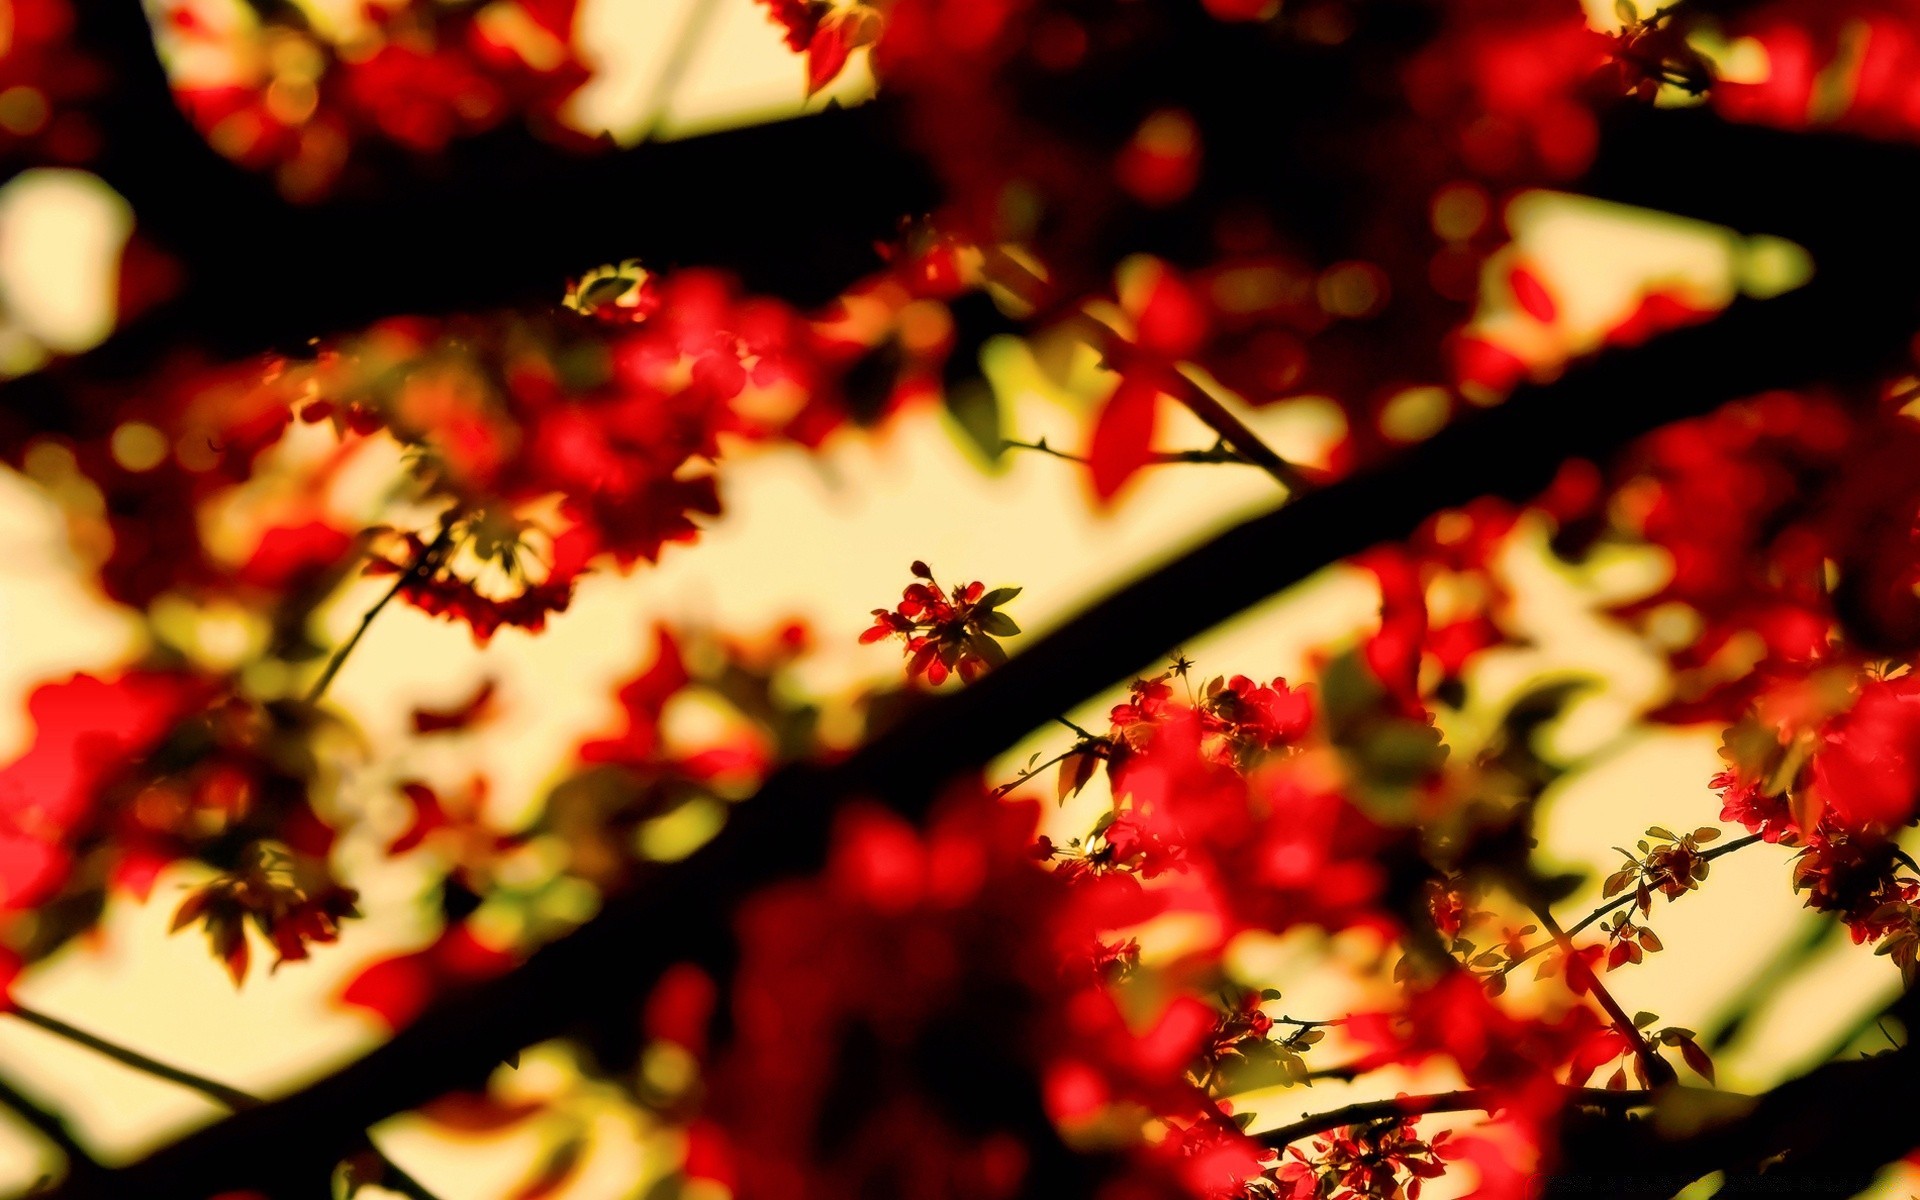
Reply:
x=1234, y=432
x=1018, y=278
x=392, y=1176
x=1620, y=901
x=428, y=555
x=1091, y=737
x=219, y=1093
x=51, y=1126
x=1466, y=1100
x=1218, y=453
x=1031, y=772
x=1658, y=1071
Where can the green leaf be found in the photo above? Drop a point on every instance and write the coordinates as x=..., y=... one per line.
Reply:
x=997, y=597
x=1075, y=770
x=976, y=410
x=987, y=649
x=998, y=624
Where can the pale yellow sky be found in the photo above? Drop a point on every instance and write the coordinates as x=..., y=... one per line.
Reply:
x=827, y=538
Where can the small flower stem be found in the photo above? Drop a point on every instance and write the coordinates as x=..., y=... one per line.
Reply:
x=1017, y=278
x=421, y=563
x=1659, y=1072
x=1621, y=901
x=1024, y=776
x=1201, y=403
x=1083, y=733
x=1221, y=453
x=49, y=1125
x=392, y=1177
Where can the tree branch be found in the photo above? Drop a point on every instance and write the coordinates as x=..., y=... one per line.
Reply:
x=1221, y=453
x=51, y=1126
x=1466, y=1100
x=1657, y=1071
x=393, y=1176
x=1621, y=901
x=219, y=1093
x=428, y=557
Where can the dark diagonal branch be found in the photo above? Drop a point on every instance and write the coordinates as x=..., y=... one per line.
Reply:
x=1466, y=1100
x=391, y=1175
x=51, y=1126
x=1654, y=1069
x=219, y=1093
x=684, y=912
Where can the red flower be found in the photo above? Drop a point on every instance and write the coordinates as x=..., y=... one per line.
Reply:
x=946, y=634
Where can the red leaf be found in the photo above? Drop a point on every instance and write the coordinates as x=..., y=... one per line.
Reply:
x=1123, y=436
x=681, y=1006
x=448, y=720
x=826, y=53
x=1241, y=10
x=393, y=989
x=475, y=1113
x=428, y=815
x=290, y=554
x=1532, y=295
x=1172, y=322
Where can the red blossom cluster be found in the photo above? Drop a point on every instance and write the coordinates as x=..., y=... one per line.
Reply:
x=1837, y=775
x=295, y=97
x=947, y=634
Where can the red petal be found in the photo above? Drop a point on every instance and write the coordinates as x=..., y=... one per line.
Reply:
x=427, y=817
x=826, y=54
x=1532, y=295
x=1122, y=436
x=447, y=720
x=393, y=989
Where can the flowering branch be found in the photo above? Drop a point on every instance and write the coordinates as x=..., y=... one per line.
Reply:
x=1654, y=1069
x=1620, y=901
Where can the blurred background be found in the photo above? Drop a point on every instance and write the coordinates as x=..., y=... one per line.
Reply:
x=822, y=539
